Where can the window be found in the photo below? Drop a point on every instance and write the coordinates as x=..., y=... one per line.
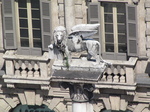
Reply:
x=118, y=29
x=114, y=26
x=29, y=23
x=115, y=111
x=27, y=26
x=31, y=108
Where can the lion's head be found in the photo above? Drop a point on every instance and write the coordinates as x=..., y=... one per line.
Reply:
x=59, y=35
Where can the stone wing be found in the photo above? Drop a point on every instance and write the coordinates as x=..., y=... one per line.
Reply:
x=84, y=30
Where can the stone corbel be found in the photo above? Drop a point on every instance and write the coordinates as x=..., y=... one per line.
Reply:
x=45, y=87
x=130, y=92
x=10, y=85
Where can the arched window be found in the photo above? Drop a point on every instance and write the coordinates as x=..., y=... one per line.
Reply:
x=104, y=110
x=31, y=108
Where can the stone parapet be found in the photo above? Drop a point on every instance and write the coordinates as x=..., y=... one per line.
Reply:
x=26, y=69
x=120, y=75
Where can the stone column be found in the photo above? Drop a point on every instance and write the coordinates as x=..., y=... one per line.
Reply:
x=81, y=95
x=69, y=14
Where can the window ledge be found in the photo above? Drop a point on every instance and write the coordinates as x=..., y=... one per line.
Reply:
x=125, y=1
x=11, y=54
x=131, y=62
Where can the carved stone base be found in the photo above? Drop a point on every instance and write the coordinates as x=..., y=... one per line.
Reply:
x=78, y=70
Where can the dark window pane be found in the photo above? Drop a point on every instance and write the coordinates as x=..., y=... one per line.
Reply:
x=36, y=34
x=35, y=4
x=23, y=23
x=24, y=33
x=35, y=14
x=107, y=7
x=24, y=43
x=37, y=43
x=109, y=28
x=36, y=24
x=109, y=18
x=121, y=29
x=23, y=13
x=122, y=48
x=109, y=38
x=122, y=39
x=121, y=19
x=109, y=47
x=22, y=3
x=120, y=7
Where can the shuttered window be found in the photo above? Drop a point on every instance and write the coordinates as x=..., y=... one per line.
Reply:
x=118, y=29
x=27, y=25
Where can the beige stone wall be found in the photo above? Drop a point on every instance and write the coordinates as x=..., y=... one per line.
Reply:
x=106, y=97
x=68, y=13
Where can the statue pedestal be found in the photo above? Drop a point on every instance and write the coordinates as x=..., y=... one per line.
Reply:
x=80, y=77
x=78, y=71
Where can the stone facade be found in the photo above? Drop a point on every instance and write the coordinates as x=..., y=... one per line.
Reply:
x=27, y=80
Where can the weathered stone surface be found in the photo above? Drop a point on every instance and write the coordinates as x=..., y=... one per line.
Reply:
x=76, y=75
x=140, y=107
x=147, y=4
x=78, y=70
x=30, y=97
x=61, y=10
x=130, y=75
x=123, y=103
x=78, y=11
x=60, y=1
x=115, y=102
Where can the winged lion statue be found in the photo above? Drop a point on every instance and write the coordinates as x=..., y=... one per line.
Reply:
x=78, y=40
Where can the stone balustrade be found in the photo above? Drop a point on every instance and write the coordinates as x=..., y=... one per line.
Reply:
x=115, y=74
x=26, y=69
x=37, y=69
x=120, y=75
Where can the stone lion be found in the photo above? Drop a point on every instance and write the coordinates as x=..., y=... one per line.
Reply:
x=78, y=40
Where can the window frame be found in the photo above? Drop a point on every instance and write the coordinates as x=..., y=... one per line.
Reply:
x=30, y=27
x=130, y=40
x=115, y=28
x=11, y=34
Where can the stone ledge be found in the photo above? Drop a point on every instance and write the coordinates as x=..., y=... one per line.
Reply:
x=131, y=62
x=12, y=56
x=26, y=80
x=122, y=86
x=78, y=70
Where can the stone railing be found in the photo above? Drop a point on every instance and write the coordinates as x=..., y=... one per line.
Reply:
x=120, y=75
x=27, y=69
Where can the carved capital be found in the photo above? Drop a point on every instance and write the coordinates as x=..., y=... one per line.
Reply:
x=79, y=92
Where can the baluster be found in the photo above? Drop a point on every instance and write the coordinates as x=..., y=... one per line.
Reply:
x=36, y=73
x=24, y=72
x=122, y=73
x=104, y=77
x=109, y=72
x=30, y=72
x=116, y=77
x=17, y=66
